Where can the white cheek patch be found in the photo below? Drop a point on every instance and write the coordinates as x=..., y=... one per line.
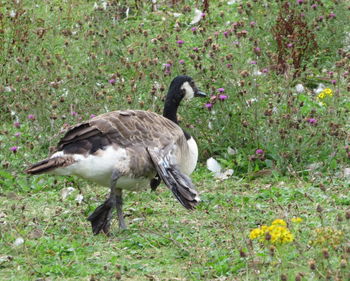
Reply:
x=189, y=92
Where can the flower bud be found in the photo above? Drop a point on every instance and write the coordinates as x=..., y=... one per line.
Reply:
x=325, y=253
x=312, y=264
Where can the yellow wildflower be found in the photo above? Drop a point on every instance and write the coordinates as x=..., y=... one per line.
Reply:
x=279, y=222
x=328, y=92
x=264, y=228
x=276, y=233
x=255, y=233
x=321, y=95
x=297, y=220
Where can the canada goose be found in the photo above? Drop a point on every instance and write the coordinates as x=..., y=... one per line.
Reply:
x=126, y=149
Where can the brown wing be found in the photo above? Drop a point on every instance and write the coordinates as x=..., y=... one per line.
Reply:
x=124, y=128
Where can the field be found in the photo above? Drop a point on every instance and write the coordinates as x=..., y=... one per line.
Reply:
x=277, y=114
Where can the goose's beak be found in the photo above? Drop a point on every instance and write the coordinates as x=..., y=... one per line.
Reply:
x=200, y=94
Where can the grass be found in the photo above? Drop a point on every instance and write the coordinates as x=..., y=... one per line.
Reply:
x=58, y=58
x=166, y=242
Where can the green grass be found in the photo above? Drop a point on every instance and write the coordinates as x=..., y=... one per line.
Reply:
x=57, y=59
x=166, y=242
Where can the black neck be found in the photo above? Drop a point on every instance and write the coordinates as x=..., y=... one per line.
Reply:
x=170, y=111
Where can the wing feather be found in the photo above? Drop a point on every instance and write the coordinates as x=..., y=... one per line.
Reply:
x=123, y=128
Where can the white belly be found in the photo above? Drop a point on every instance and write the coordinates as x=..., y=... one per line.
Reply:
x=98, y=168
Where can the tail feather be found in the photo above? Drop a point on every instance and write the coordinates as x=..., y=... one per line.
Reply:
x=179, y=183
x=49, y=164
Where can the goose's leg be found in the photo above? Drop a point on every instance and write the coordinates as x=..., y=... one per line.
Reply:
x=101, y=218
x=155, y=182
x=119, y=206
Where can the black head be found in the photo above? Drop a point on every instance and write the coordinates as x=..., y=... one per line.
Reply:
x=183, y=87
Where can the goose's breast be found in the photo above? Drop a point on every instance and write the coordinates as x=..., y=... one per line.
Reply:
x=189, y=157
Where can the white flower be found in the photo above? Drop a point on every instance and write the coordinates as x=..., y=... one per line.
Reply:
x=231, y=151
x=347, y=173
x=8, y=89
x=251, y=101
x=257, y=73
x=65, y=192
x=319, y=88
x=19, y=241
x=104, y=5
x=299, y=88
x=12, y=14
x=79, y=198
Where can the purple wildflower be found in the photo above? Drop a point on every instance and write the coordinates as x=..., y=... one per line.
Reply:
x=73, y=113
x=253, y=62
x=17, y=124
x=223, y=97
x=229, y=65
x=167, y=70
x=17, y=134
x=194, y=29
x=257, y=51
x=181, y=62
x=14, y=149
x=221, y=90
x=92, y=116
x=112, y=81
x=314, y=6
x=331, y=15
x=259, y=151
x=208, y=106
x=300, y=2
x=180, y=42
x=265, y=70
x=312, y=121
x=226, y=34
x=195, y=49
x=333, y=81
x=31, y=117
x=252, y=23
x=290, y=45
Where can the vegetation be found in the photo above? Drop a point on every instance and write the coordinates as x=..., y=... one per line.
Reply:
x=277, y=73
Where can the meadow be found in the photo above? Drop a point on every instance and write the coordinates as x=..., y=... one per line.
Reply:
x=277, y=116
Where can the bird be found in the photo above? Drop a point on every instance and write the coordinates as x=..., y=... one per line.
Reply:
x=127, y=150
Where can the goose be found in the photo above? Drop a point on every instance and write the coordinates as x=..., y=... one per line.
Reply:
x=127, y=150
